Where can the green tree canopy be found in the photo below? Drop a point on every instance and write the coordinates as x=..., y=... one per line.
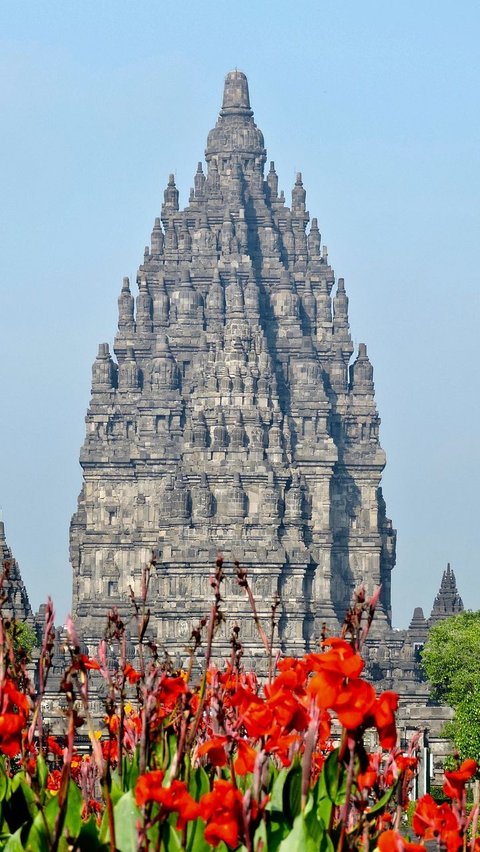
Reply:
x=451, y=659
x=23, y=637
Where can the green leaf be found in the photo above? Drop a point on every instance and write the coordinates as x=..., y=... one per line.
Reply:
x=380, y=806
x=277, y=830
x=195, y=837
x=199, y=783
x=276, y=797
x=126, y=814
x=334, y=776
x=171, y=838
x=73, y=817
x=4, y=782
x=131, y=771
x=20, y=807
x=38, y=838
x=41, y=771
x=14, y=842
x=308, y=835
x=116, y=791
x=88, y=839
x=261, y=836
x=292, y=792
x=324, y=810
x=287, y=793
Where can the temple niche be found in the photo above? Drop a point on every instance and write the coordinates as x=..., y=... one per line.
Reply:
x=234, y=415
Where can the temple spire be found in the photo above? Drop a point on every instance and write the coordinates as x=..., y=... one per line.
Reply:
x=447, y=602
x=235, y=135
x=236, y=98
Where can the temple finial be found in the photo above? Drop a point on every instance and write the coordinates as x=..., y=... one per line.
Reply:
x=235, y=93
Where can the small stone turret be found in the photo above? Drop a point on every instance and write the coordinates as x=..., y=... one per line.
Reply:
x=104, y=371
x=418, y=627
x=299, y=196
x=170, y=196
x=272, y=181
x=199, y=181
x=314, y=240
x=144, y=308
x=157, y=239
x=126, y=308
x=361, y=373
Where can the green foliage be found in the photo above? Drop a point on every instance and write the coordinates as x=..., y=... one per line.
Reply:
x=24, y=638
x=451, y=657
x=464, y=729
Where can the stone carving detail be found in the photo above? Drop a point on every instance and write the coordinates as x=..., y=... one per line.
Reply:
x=232, y=419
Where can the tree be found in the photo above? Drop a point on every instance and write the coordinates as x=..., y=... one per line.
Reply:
x=23, y=637
x=464, y=729
x=451, y=659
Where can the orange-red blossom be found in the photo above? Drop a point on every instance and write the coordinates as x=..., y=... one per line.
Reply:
x=174, y=798
x=392, y=841
x=437, y=821
x=336, y=685
x=14, y=709
x=222, y=810
x=454, y=784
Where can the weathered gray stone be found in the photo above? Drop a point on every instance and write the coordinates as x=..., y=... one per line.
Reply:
x=13, y=594
x=228, y=422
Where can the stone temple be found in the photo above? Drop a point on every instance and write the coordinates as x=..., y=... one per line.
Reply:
x=233, y=418
x=236, y=418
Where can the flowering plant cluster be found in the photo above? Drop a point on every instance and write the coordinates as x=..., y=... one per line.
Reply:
x=216, y=760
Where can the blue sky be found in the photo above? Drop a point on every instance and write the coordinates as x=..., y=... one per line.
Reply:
x=376, y=103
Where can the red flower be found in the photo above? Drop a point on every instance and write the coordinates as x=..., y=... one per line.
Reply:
x=431, y=820
x=54, y=780
x=324, y=687
x=173, y=798
x=384, y=718
x=223, y=812
x=14, y=709
x=354, y=702
x=246, y=757
x=297, y=667
x=454, y=784
x=177, y=798
x=131, y=674
x=88, y=663
x=169, y=691
x=367, y=779
x=286, y=696
x=15, y=698
x=53, y=747
x=341, y=658
x=109, y=750
x=392, y=841
x=11, y=726
x=405, y=763
x=281, y=745
x=215, y=750
x=147, y=786
x=255, y=713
